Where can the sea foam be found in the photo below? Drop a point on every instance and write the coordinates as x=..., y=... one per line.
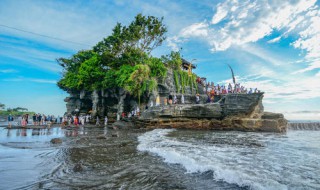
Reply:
x=253, y=167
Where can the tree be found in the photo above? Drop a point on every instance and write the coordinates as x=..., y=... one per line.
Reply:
x=140, y=81
x=2, y=106
x=121, y=60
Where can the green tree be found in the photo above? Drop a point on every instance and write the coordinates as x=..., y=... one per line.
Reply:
x=120, y=60
x=2, y=106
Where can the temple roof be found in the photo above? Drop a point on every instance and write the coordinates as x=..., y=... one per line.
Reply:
x=185, y=64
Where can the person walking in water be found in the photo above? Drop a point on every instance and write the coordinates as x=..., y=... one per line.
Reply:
x=106, y=121
x=97, y=122
x=10, y=120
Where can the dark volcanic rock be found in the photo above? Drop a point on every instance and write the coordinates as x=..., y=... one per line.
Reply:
x=101, y=137
x=122, y=125
x=242, y=112
x=269, y=115
x=56, y=141
x=78, y=167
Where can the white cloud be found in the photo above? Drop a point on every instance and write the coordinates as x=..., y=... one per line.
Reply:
x=195, y=30
x=220, y=14
x=249, y=21
x=277, y=39
x=22, y=79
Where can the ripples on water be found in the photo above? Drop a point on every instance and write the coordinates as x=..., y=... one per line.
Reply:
x=158, y=159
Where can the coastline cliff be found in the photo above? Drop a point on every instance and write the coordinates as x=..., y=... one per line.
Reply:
x=243, y=112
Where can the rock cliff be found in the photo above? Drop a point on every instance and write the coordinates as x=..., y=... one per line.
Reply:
x=242, y=112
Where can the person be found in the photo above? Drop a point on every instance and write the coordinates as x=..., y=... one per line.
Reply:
x=27, y=119
x=250, y=91
x=197, y=99
x=175, y=100
x=10, y=120
x=97, y=122
x=106, y=121
x=34, y=119
x=76, y=121
x=23, y=121
x=151, y=104
x=165, y=101
x=147, y=106
x=19, y=120
x=182, y=99
x=229, y=88
x=208, y=99
x=170, y=99
x=158, y=101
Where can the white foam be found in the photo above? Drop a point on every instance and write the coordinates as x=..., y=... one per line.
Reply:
x=257, y=170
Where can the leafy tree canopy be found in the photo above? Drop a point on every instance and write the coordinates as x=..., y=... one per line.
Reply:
x=121, y=60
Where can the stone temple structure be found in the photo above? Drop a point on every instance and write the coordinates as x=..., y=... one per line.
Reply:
x=242, y=112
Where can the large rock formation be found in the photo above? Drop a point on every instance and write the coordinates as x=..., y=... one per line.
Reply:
x=243, y=112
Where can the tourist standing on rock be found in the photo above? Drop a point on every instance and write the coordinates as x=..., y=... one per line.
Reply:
x=10, y=120
x=182, y=99
x=229, y=88
x=197, y=99
x=175, y=100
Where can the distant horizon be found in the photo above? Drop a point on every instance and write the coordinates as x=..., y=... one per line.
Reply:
x=272, y=46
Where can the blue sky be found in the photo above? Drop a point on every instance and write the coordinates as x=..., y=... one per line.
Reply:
x=271, y=45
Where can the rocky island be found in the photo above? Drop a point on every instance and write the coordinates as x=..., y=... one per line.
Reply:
x=119, y=75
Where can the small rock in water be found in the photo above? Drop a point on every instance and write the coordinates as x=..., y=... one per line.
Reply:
x=56, y=141
x=78, y=168
x=101, y=137
x=115, y=135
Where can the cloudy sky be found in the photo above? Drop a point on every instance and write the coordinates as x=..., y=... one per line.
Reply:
x=272, y=45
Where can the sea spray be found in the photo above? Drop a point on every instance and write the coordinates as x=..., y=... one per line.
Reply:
x=254, y=160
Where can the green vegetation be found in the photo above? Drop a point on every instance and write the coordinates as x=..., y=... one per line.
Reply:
x=123, y=60
x=13, y=111
x=182, y=80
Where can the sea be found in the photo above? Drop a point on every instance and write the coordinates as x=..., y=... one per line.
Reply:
x=92, y=157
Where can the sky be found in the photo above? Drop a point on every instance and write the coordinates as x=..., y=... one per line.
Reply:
x=271, y=45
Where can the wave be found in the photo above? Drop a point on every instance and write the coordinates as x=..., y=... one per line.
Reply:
x=315, y=126
x=227, y=163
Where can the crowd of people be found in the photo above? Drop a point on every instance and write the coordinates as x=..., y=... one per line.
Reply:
x=75, y=120
x=36, y=120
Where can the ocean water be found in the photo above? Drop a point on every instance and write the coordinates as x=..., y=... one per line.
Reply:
x=158, y=159
x=249, y=160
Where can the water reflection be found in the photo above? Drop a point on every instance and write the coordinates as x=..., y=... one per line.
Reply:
x=9, y=133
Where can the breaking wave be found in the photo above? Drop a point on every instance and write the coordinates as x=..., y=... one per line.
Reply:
x=252, y=160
